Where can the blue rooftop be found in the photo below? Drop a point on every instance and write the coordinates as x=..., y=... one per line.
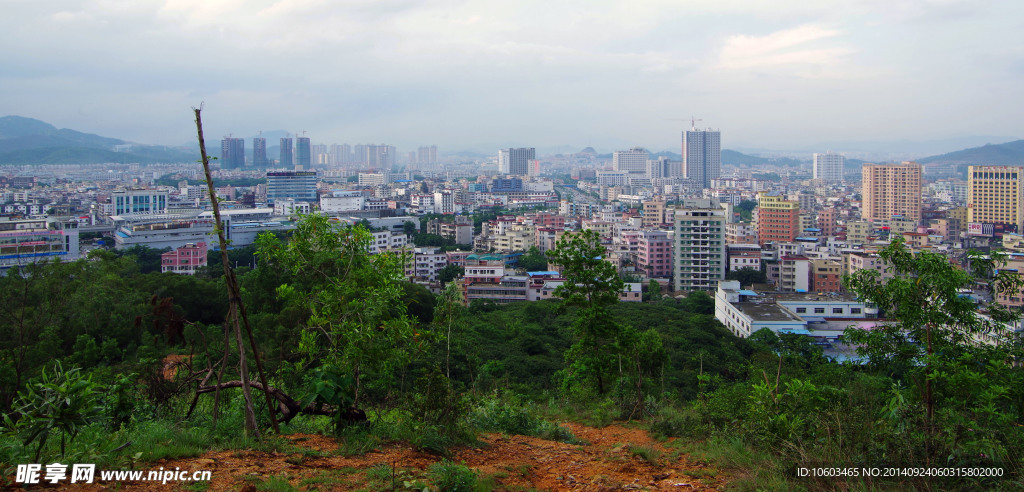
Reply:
x=747, y=293
x=794, y=331
x=536, y=274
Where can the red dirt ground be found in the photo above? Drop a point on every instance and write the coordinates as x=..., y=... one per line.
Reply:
x=606, y=462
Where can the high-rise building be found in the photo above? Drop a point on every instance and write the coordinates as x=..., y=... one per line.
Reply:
x=296, y=185
x=633, y=161
x=303, y=153
x=378, y=156
x=702, y=156
x=342, y=153
x=995, y=195
x=286, y=154
x=699, y=255
x=259, y=153
x=516, y=161
x=232, y=153
x=828, y=167
x=778, y=219
x=427, y=155
x=658, y=168
x=891, y=190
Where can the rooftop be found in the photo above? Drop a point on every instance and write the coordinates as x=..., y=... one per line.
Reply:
x=766, y=311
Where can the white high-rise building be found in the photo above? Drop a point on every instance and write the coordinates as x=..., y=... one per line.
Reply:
x=516, y=161
x=633, y=161
x=702, y=156
x=828, y=167
x=700, y=260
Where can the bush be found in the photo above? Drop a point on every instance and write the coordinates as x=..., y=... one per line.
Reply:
x=452, y=477
x=57, y=400
x=512, y=418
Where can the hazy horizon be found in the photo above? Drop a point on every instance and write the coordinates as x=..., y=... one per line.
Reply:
x=784, y=76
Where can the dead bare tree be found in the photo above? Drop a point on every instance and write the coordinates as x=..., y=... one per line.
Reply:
x=236, y=309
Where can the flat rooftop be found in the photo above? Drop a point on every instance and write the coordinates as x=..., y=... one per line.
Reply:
x=811, y=296
x=766, y=311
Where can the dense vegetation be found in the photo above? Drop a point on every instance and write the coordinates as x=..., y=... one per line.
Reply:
x=371, y=358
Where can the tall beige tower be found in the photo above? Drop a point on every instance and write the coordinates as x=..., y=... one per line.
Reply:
x=995, y=195
x=891, y=189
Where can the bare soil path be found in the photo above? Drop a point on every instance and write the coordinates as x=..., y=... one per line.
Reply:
x=616, y=457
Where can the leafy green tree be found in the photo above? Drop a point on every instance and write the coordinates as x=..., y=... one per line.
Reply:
x=357, y=321
x=449, y=316
x=653, y=291
x=425, y=239
x=147, y=258
x=934, y=324
x=450, y=272
x=746, y=209
x=533, y=260
x=747, y=276
x=593, y=285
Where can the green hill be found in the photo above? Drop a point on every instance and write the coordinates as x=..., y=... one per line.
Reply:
x=30, y=141
x=1005, y=154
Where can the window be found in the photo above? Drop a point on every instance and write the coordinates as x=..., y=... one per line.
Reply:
x=819, y=310
x=854, y=310
x=801, y=310
x=837, y=310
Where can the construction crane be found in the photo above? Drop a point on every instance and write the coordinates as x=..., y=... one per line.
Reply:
x=693, y=121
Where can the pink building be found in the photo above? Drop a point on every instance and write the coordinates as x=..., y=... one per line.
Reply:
x=654, y=253
x=184, y=260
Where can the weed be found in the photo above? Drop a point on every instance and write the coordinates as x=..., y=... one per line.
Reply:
x=276, y=484
x=453, y=477
x=649, y=454
x=382, y=472
x=357, y=441
x=511, y=418
x=327, y=480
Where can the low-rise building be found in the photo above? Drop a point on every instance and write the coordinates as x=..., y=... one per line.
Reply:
x=184, y=260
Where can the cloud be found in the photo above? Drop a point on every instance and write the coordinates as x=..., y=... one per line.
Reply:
x=796, y=46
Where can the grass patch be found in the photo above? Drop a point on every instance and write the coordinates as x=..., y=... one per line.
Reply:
x=276, y=484
x=357, y=440
x=754, y=470
x=328, y=480
x=508, y=417
x=649, y=454
x=453, y=477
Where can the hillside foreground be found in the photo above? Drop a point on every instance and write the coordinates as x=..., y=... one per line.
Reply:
x=616, y=457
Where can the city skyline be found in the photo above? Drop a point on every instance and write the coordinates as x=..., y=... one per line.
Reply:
x=779, y=76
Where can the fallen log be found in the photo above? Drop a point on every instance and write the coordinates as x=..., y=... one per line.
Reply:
x=287, y=406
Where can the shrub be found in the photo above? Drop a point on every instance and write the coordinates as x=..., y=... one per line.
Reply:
x=452, y=477
x=57, y=400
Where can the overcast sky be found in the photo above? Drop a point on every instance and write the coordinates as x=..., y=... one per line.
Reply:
x=774, y=74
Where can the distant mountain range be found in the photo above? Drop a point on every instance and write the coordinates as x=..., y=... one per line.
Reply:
x=1006, y=154
x=30, y=141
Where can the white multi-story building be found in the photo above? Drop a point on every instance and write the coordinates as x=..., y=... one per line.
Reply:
x=632, y=161
x=516, y=161
x=828, y=167
x=388, y=241
x=427, y=263
x=444, y=202
x=700, y=259
x=31, y=240
x=342, y=201
x=745, y=312
x=127, y=202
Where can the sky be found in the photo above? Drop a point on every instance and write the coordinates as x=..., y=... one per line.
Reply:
x=480, y=75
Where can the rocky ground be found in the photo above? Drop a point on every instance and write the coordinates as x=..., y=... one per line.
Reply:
x=616, y=457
